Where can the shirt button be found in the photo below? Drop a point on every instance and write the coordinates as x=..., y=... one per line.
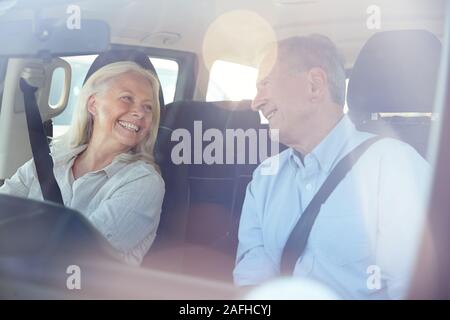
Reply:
x=309, y=187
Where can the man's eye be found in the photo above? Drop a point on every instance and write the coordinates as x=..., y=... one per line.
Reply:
x=263, y=83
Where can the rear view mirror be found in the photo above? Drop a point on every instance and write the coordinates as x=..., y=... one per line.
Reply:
x=53, y=37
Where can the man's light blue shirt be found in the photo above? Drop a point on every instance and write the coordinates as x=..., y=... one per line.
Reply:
x=363, y=243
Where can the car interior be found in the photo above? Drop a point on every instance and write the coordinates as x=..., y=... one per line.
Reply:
x=392, y=73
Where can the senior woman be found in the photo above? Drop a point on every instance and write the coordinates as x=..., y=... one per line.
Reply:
x=104, y=164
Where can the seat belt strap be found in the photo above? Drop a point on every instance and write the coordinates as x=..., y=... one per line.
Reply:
x=39, y=145
x=298, y=238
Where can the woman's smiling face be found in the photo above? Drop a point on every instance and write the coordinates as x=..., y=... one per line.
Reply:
x=122, y=111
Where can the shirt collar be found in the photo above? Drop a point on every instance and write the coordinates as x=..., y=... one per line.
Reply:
x=65, y=156
x=114, y=167
x=328, y=151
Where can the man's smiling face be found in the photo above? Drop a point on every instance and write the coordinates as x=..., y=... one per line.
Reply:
x=283, y=94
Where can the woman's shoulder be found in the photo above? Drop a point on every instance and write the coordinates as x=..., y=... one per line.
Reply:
x=140, y=169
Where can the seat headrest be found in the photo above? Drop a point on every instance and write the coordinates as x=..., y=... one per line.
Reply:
x=213, y=115
x=112, y=56
x=220, y=115
x=396, y=71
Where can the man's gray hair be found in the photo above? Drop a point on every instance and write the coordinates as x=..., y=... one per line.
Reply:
x=318, y=51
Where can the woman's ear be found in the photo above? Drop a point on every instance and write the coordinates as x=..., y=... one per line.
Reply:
x=91, y=106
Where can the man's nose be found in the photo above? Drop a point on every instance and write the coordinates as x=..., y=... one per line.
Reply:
x=259, y=100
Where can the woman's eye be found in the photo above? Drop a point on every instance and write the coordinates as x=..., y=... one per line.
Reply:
x=127, y=98
x=148, y=108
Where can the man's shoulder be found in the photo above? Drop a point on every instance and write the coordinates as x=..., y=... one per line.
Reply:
x=391, y=147
x=395, y=156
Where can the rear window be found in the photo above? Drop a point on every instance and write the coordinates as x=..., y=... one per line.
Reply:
x=231, y=81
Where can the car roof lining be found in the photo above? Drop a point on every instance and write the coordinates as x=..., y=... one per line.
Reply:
x=154, y=21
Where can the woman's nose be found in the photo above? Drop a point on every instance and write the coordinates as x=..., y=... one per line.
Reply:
x=137, y=111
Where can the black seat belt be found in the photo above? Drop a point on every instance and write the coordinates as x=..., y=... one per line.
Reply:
x=298, y=238
x=39, y=146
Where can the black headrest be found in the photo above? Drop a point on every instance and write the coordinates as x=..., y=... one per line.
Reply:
x=396, y=71
x=213, y=115
x=112, y=56
x=219, y=115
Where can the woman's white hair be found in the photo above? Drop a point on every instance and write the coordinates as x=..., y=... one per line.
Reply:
x=81, y=128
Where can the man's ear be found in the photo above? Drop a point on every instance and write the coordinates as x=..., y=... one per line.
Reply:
x=91, y=106
x=318, y=82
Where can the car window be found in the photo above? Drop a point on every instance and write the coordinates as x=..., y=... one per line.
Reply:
x=223, y=219
x=3, y=64
x=231, y=81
